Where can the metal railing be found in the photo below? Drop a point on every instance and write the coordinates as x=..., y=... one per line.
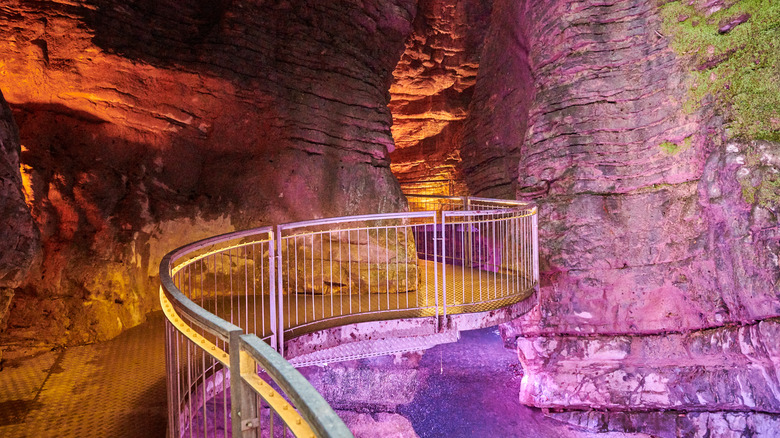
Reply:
x=232, y=301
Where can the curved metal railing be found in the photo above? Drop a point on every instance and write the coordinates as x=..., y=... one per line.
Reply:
x=232, y=301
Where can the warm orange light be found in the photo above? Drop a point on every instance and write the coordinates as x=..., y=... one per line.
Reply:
x=27, y=190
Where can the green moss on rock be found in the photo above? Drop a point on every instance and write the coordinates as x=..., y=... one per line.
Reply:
x=672, y=148
x=739, y=67
x=669, y=147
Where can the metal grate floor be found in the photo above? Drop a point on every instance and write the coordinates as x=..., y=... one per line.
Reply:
x=468, y=291
x=114, y=388
x=377, y=347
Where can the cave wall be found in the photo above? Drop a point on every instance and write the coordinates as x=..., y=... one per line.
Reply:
x=148, y=124
x=661, y=284
x=498, y=113
x=432, y=88
x=18, y=235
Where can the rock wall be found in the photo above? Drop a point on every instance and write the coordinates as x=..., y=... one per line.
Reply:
x=659, y=237
x=367, y=393
x=498, y=114
x=621, y=217
x=148, y=124
x=433, y=86
x=18, y=235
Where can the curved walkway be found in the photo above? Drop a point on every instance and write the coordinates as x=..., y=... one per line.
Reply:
x=232, y=299
x=47, y=394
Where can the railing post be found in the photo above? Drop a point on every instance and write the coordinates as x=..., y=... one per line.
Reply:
x=535, y=243
x=436, y=267
x=272, y=287
x=250, y=423
x=444, y=262
x=279, y=309
x=170, y=359
x=238, y=412
x=469, y=243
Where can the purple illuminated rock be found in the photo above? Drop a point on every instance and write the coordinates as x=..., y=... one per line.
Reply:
x=728, y=24
x=656, y=233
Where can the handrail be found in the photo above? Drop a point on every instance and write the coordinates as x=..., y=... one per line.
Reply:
x=359, y=218
x=197, y=314
x=313, y=408
x=214, y=351
x=317, y=413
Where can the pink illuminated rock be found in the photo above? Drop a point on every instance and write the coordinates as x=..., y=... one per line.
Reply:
x=498, y=114
x=656, y=234
x=728, y=24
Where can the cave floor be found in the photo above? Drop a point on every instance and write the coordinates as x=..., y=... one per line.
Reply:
x=114, y=388
x=472, y=391
x=117, y=389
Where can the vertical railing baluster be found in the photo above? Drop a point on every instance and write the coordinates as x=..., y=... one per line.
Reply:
x=535, y=239
x=441, y=266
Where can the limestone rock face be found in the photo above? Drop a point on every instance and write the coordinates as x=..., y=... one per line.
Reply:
x=148, y=124
x=18, y=235
x=379, y=425
x=622, y=228
x=344, y=262
x=498, y=114
x=367, y=393
x=658, y=237
x=432, y=88
x=721, y=369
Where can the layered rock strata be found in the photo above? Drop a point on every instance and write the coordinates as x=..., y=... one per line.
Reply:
x=433, y=86
x=148, y=124
x=498, y=113
x=367, y=393
x=659, y=238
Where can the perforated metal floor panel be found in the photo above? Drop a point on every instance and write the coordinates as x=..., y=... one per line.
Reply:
x=110, y=389
x=379, y=347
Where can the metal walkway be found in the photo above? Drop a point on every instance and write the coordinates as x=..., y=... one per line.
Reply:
x=112, y=389
x=310, y=312
x=331, y=289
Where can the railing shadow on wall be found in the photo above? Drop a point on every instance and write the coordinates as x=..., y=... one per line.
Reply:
x=232, y=302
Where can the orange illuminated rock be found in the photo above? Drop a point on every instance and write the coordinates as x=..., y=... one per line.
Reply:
x=432, y=88
x=19, y=239
x=353, y=262
x=148, y=124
